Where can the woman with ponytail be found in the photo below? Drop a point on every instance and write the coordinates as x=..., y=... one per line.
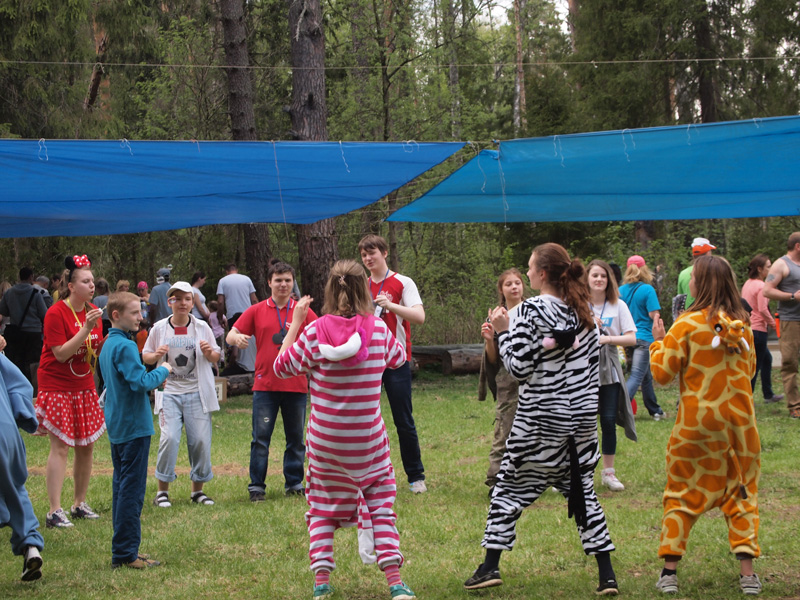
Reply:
x=553, y=352
x=350, y=477
x=67, y=405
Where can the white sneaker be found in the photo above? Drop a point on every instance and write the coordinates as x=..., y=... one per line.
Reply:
x=609, y=479
x=418, y=487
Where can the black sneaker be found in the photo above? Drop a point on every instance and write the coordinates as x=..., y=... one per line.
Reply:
x=607, y=588
x=257, y=496
x=32, y=564
x=296, y=492
x=83, y=511
x=480, y=580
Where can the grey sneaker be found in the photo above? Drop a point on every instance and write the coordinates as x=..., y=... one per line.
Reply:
x=83, y=511
x=57, y=519
x=750, y=584
x=667, y=584
x=418, y=487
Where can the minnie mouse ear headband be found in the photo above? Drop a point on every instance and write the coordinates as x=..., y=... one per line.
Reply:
x=77, y=261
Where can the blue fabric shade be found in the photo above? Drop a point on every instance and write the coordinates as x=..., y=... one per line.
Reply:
x=71, y=188
x=718, y=170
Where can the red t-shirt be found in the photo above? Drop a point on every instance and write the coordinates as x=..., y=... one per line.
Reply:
x=261, y=320
x=74, y=374
x=402, y=290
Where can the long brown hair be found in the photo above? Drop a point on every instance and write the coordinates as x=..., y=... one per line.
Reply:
x=568, y=276
x=347, y=291
x=755, y=265
x=715, y=286
x=612, y=293
x=512, y=272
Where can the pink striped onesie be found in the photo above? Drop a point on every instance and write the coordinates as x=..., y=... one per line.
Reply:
x=350, y=478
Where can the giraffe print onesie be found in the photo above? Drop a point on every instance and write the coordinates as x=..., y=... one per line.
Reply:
x=713, y=454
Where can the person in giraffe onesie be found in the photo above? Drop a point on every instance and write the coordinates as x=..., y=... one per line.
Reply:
x=713, y=454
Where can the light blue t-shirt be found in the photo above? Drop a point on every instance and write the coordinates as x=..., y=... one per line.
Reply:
x=642, y=299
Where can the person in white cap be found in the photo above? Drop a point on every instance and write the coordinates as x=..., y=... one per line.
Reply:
x=700, y=247
x=189, y=397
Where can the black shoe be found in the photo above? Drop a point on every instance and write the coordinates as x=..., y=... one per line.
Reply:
x=296, y=492
x=607, y=588
x=775, y=398
x=480, y=579
x=257, y=496
x=32, y=564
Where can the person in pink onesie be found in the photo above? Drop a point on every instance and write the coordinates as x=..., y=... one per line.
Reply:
x=350, y=479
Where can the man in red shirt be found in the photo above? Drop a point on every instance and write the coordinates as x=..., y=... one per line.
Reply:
x=269, y=321
x=397, y=301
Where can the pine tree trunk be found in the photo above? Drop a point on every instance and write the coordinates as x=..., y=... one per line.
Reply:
x=243, y=127
x=705, y=69
x=316, y=243
x=520, y=121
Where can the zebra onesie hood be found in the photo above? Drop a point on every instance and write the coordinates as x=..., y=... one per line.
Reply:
x=553, y=441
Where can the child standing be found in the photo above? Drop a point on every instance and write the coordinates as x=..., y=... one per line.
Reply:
x=714, y=451
x=130, y=426
x=350, y=478
x=189, y=397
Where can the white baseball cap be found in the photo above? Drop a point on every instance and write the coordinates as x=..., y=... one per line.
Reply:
x=179, y=286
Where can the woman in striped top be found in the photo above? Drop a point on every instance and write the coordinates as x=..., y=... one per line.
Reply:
x=350, y=480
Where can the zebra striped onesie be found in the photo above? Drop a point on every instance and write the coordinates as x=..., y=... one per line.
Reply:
x=557, y=404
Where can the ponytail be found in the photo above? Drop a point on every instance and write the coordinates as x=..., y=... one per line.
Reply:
x=568, y=276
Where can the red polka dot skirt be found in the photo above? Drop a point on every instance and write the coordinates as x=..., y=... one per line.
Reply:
x=74, y=417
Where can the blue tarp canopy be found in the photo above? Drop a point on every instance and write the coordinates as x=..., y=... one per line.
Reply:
x=734, y=169
x=79, y=187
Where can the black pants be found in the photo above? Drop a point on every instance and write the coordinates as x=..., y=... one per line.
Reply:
x=24, y=349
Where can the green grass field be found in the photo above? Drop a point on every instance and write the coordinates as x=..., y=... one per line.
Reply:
x=241, y=550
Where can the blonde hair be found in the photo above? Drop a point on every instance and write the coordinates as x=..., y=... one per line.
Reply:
x=347, y=291
x=122, y=282
x=118, y=301
x=635, y=273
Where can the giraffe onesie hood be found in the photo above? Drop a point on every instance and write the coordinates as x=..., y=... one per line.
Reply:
x=714, y=451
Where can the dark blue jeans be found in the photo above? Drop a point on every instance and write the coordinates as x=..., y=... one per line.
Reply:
x=641, y=376
x=127, y=497
x=265, y=411
x=397, y=383
x=607, y=409
x=763, y=364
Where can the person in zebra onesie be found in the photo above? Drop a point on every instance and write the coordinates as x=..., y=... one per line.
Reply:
x=553, y=351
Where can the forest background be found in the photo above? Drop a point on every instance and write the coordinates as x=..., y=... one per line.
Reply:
x=385, y=70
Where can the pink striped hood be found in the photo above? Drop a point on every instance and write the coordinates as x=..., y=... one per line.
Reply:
x=345, y=340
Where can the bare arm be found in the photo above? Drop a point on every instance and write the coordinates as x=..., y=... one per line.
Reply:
x=777, y=272
x=253, y=298
x=200, y=308
x=66, y=350
x=654, y=313
x=413, y=314
x=627, y=339
x=487, y=333
x=221, y=301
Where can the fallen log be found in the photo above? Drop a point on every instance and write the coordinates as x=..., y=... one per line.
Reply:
x=455, y=359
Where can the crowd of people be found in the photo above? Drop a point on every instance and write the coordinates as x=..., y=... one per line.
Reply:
x=552, y=362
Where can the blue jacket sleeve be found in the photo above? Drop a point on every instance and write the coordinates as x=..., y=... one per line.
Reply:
x=20, y=394
x=135, y=373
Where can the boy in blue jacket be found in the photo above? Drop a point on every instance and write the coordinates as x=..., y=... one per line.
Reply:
x=130, y=427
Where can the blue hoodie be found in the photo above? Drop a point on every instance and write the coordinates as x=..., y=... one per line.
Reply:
x=127, y=407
